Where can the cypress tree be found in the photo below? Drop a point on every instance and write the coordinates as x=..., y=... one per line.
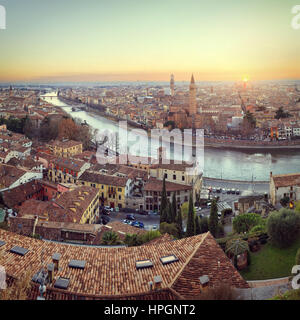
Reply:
x=164, y=204
x=213, y=219
x=174, y=208
x=190, y=228
x=170, y=213
x=179, y=224
x=197, y=225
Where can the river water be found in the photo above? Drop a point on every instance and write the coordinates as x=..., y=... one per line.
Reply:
x=218, y=163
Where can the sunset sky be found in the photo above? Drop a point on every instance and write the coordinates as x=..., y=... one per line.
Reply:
x=129, y=40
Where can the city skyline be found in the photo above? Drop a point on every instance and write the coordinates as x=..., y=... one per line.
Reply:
x=54, y=41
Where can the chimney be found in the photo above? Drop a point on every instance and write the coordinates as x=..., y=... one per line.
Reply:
x=50, y=269
x=157, y=282
x=150, y=285
x=204, y=280
x=42, y=290
x=55, y=258
x=35, y=223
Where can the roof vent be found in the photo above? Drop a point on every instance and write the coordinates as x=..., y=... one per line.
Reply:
x=169, y=259
x=62, y=283
x=19, y=250
x=77, y=264
x=55, y=258
x=157, y=282
x=141, y=264
x=204, y=280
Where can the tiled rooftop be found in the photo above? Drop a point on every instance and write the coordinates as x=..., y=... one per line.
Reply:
x=112, y=271
x=287, y=180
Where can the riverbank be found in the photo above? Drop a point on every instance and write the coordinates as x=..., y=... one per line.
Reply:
x=208, y=142
x=235, y=144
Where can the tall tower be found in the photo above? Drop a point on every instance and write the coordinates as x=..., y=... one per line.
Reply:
x=193, y=103
x=10, y=91
x=172, y=85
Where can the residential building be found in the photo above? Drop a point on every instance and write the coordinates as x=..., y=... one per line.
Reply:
x=65, y=148
x=153, y=191
x=284, y=185
x=62, y=170
x=113, y=189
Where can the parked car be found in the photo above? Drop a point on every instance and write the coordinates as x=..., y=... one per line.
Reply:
x=130, y=217
x=237, y=191
x=143, y=212
x=106, y=212
x=138, y=224
x=104, y=219
x=108, y=208
x=126, y=221
x=154, y=227
x=233, y=191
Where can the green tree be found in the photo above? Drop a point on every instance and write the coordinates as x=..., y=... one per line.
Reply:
x=283, y=227
x=170, y=213
x=174, y=208
x=190, y=228
x=149, y=235
x=197, y=225
x=204, y=225
x=110, y=238
x=164, y=204
x=170, y=228
x=179, y=224
x=213, y=219
x=132, y=240
x=246, y=221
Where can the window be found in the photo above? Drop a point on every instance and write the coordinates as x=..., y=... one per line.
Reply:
x=183, y=178
x=143, y=264
x=169, y=259
x=166, y=176
x=174, y=176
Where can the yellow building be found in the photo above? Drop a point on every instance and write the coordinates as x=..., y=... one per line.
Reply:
x=66, y=148
x=62, y=170
x=113, y=189
x=81, y=203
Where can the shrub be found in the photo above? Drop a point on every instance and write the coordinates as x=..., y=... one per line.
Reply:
x=284, y=201
x=260, y=228
x=110, y=238
x=132, y=240
x=245, y=222
x=297, y=260
x=283, y=227
x=170, y=228
x=148, y=236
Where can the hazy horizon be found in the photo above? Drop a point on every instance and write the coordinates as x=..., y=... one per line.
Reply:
x=96, y=41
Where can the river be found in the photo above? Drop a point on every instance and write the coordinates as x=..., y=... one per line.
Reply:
x=218, y=163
